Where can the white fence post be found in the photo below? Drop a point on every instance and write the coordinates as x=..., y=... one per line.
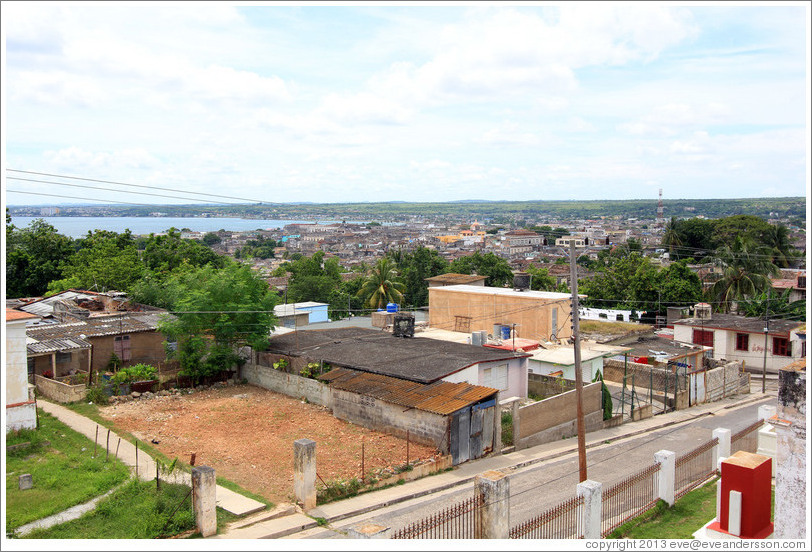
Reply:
x=722, y=448
x=592, y=493
x=494, y=515
x=765, y=412
x=666, y=478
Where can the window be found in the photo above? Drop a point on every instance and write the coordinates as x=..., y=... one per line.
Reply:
x=496, y=377
x=121, y=347
x=703, y=337
x=742, y=342
x=781, y=346
x=63, y=358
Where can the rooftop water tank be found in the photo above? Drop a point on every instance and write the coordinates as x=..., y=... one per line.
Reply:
x=392, y=307
x=505, y=332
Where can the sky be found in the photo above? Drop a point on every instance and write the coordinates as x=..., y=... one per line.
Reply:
x=405, y=102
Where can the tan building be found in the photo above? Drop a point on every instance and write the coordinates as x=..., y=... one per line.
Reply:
x=538, y=315
x=453, y=279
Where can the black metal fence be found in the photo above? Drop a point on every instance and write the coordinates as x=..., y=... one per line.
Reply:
x=458, y=521
x=694, y=467
x=563, y=521
x=629, y=498
x=746, y=439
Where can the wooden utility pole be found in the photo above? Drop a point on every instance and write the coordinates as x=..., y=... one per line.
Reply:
x=766, y=341
x=579, y=378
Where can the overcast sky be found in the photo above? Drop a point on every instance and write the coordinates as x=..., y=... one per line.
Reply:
x=408, y=103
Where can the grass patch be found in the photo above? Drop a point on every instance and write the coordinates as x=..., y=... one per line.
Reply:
x=92, y=411
x=689, y=513
x=60, y=461
x=507, y=429
x=136, y=511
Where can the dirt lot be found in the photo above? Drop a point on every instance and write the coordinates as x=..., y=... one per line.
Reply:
x=246, y=434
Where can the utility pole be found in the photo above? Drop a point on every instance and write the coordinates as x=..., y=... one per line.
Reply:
x=579, y=378
x=766, y=339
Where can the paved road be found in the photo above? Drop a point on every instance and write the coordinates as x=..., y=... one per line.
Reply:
x=545, y=484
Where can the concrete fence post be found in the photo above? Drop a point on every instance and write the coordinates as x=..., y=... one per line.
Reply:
x=204, y=491
x=369, y=531
x=304, y=472
x=494, y=516
x=517, y=426
x=765, y=412
x=666, y=478
x=592, y=493
x=722, y=448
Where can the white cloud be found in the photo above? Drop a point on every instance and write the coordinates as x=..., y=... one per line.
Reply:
x=78, y=160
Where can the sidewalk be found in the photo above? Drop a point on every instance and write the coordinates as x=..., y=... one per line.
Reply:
x=226, y=499
x=333, y=512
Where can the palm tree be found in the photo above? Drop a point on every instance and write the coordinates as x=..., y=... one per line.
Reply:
x=777, y=239
x=382, y=285
x=671, y=236
x=746, y=272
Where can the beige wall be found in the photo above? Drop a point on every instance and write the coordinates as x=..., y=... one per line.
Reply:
x=555, y=418
x=145, y=347
x=532, y=314
x=16, y=363
x=59, y=391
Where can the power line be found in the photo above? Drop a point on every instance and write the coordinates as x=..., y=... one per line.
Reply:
x=82, y=198
x=114, y=190
x=134, y=185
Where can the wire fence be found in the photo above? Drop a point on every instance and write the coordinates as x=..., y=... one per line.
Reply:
x=746, y=439
x=458, y=521
x=694, y=467
x=629, y=498
x=563, y=521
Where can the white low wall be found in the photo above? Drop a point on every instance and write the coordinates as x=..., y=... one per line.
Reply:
x=287, y=384
x=23, y=416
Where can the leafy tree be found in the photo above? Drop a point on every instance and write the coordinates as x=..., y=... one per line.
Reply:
x=382, y=285
x=107, y=261
x=211, y=238
x=165, y=253
x=671, y=236
x=773, y=305
x=346, y=297
x=496, y=269
x=746, y=227
x=540, y=279
x=776, y=238
x=746, y=272
x=218, y=309
x=414, y=268
x=313, y=278
x=33, y=257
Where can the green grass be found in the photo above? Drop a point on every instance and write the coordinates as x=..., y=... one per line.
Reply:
x=136, y=511
x=92, y=411
x=689, y=513
x=64, y=474
x=507, y=429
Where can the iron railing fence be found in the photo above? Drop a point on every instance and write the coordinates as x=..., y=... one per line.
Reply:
x=629, y=498
x=563, y=521
x=746, y=439
x=458, y=521
x=694, y=467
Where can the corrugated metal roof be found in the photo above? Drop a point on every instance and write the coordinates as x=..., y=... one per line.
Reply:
x=46, y=346
x=98, y=326
x=440, y=397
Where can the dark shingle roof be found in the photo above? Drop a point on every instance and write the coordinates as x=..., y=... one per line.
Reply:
x=419, y=359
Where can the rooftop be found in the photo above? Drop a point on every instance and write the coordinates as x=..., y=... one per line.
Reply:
x=125, y=323
x=440, y=397
x=454, y=278
x=739, y=323
x=14, y=315
x=506, y=292
x=418, y=359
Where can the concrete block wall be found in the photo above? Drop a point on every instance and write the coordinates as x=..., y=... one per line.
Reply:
x=288, y=384
x=723, y=382
x=644, y=374
x=548, y=386
x=60, y=392
x=424, y=427
x=555, y=418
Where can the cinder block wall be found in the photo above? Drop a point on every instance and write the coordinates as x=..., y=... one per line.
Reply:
x=556, y=417
x=59, y=391
x=291, y=385
x=644, y=374
x=548, y=386
x=424, y=427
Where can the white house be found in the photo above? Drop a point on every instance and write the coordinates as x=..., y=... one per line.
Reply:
x=21, y=408
x=743, y=338
x=560, y=361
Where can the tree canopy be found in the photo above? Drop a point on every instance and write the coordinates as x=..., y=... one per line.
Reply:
x=495, y=268
x=414, y=267
x=382, y=285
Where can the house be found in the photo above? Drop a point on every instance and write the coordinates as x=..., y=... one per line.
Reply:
x=560, y=360
x=756, y=342
x=21, y=406
x=793, y=280
x=447, y=393
x=418, y=359
x=296, y=315
x=79, y=330
x=453, y=279
x=522, y=241
x=538, y=315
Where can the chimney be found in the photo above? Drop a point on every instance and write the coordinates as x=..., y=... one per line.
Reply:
x=702, y=311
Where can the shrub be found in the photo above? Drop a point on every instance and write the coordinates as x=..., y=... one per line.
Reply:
x=96, y=395
x=281, y=364
x=48, y=374
x=139, y=372
x=507, y=428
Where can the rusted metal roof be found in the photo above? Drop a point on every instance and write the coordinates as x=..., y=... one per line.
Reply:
x=440, y=397
x=126, y=323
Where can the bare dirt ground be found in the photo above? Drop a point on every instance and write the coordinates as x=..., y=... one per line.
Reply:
x=246, y=434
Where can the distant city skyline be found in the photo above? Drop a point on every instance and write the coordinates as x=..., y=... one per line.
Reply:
x=419, y=103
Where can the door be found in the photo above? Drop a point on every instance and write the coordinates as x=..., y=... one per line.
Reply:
x=460, y=435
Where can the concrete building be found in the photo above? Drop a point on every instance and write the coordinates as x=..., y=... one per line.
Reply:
x=21, y=407
x=538, y=315
x=560, y=360
x=791, y=473
x=454, y=279
x=742, y=338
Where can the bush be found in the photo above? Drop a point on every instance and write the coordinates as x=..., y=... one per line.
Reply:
x=507, y=429
x=96, y=395
x=139, y=372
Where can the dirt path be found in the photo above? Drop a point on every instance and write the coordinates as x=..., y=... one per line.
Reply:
x=246, y=434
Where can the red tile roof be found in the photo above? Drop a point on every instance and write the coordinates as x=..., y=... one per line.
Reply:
x=13, y=315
